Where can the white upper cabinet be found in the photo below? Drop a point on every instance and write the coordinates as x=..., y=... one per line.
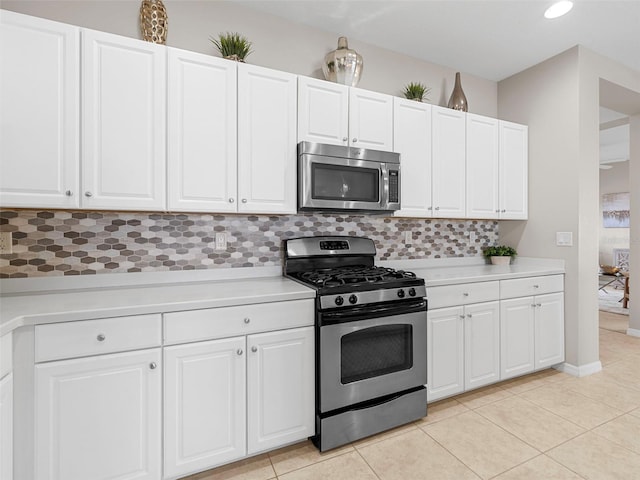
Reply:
x=448, y=150
x=370, y=120
x=267, y=154
x=323, y=112
x=482, y=167
x=412, y=140
x=39, y=116
x=202, y=132
x=514, y=161
x=340, y=115
x=124, y=122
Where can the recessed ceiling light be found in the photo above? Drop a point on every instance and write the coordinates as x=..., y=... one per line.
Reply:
x=558, y=9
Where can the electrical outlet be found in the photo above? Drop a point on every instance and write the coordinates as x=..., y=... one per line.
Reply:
x=472, y=237
x=6, y=243
x=408, y=238
x=221, y=240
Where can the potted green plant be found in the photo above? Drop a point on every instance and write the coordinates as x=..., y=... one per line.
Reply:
x=232, y=45
x=416, y=91
x=500, y=254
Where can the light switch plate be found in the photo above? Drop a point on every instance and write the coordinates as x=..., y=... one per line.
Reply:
x=564, y=239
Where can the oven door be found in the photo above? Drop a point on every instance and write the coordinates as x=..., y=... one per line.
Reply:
x=345, y=184
x=371, y=352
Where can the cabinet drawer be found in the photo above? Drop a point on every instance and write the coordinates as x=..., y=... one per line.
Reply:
x=95, y=337
x=463, y=294
x=523, y=287
x=210, y=323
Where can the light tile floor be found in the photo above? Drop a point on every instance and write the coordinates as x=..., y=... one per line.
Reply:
x=547, y=425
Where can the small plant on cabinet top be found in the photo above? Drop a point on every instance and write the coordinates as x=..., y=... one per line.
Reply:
x=232, y=45
x=500, y=251
x=416, y=91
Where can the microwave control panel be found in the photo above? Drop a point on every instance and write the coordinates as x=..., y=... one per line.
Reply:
x=393, y=186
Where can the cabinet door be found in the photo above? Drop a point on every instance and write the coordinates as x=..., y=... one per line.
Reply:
x=370, y=120
x=448, y=147
x=412, y=140
x=549, y=330
x=481, y=344
x=98, y=418
x=323, y=112
x=201, y=135
x=482, y=167
x=123, y=122
x=6, y=427
x=266, y=140
x=514, y=161
x=445, y=352
x=280, y=392
x=204, y=405
x=39, y=119
x=516, y=337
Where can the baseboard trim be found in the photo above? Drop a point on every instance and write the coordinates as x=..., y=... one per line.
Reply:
x=582, y=370
x=634, y=332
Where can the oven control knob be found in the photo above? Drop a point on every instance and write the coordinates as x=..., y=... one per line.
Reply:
x=412, y=292
x=353, y=299
x=401, y=293
x=339, y=301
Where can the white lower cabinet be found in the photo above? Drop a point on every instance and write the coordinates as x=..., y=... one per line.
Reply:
x=280, y=388
x=6, y=427
x=549, y=331
x=228, y=398
x=98, y=418
x=464, y=348
x=517, y=337
x=204, y=405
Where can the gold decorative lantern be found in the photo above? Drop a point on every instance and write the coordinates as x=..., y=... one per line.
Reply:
x=153, y=21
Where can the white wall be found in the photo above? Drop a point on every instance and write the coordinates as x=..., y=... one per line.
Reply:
x=634, y=182
x=559, y=100
x=278, y=43
x=614, y=180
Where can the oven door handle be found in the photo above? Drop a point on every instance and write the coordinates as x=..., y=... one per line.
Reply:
x=371, y=311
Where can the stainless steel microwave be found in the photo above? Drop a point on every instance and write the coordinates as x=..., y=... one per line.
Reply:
x=336, y=178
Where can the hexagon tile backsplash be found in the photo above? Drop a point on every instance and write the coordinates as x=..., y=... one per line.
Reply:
x=50, y=243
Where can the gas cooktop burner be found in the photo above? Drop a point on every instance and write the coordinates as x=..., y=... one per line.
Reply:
x=333, y=277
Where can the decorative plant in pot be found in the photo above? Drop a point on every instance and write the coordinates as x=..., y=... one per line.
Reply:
x=232, y=45
x=416, y=91
x=500, y=255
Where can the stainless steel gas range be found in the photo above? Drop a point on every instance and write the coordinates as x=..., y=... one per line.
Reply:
x=371, y=338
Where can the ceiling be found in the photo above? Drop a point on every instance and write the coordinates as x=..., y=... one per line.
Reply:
x=492, y=39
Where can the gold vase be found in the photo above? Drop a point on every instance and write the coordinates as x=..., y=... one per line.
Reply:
x=153, y=21
x=458, y=101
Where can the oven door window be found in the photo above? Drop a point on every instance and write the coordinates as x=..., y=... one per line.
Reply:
x=341, y=182
x=375, y=351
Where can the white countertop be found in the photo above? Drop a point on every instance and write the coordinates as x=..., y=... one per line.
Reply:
x=50, y=300
x=39, y=308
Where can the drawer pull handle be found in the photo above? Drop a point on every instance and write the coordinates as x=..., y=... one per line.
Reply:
x=533, y=305
x=536, y=286
x=469, y=315
x=254, y=349
x=153, y=365
x=88, y=194
x=101, y=337
x=68, y=193
x=461, y=316
x=239, y=351
x=538, y=304
x=465, y=294
x=247, y=320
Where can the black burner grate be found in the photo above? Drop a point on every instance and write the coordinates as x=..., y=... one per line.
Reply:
x=333, y=277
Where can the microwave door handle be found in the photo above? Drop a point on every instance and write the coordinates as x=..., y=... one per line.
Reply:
x=384, y=186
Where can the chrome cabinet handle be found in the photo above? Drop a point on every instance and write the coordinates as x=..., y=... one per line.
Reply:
x=538, y=304
x=239, y=351
x=354, y=140
x=231, y=200
x=503, y=211
x=462, y=316
x=465, y=294
x=247, y=320
x=533, y=305
x=429, y=208
x=469, y=315
x=344, y=139
x=101, y=337
x=244, y=200
x=68, y=193
x=437, y=208
x=254, y=349
x=88, y=194
x=153, y=365
x=536, y=286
